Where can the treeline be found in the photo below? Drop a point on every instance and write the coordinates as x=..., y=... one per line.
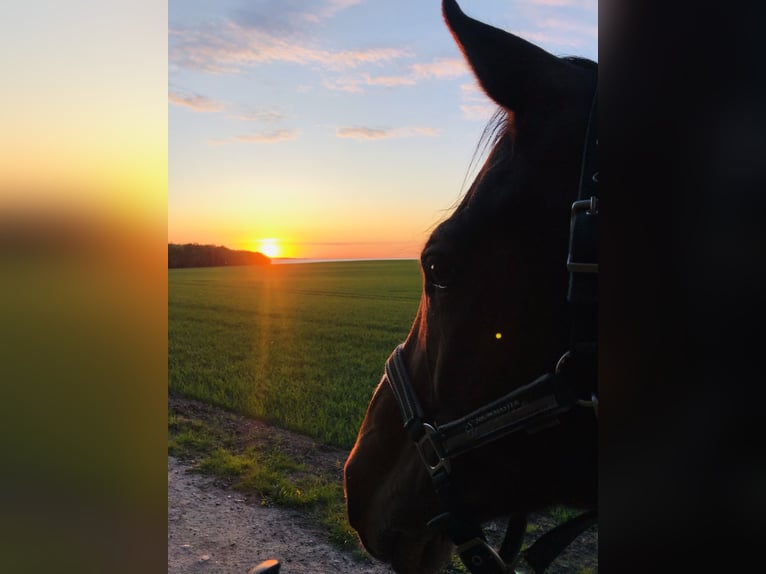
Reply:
x=195, y=255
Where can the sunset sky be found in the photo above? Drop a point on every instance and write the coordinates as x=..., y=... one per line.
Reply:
x=331, y=128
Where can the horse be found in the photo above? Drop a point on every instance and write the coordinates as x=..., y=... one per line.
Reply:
x=455, y=435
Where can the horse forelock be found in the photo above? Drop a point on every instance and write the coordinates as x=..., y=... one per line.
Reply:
x=495, y=146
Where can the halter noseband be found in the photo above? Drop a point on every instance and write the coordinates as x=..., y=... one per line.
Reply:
x=530, y=408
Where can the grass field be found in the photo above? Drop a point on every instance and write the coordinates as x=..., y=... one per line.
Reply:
x=300, y=346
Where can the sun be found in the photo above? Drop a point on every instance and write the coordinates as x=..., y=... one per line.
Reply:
x=269, y=247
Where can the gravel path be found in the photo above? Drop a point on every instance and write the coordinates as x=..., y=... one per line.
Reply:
x=215, y=531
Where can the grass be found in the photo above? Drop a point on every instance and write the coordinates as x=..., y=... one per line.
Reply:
x=267, y=472
x=298, y=346
x=562, y=514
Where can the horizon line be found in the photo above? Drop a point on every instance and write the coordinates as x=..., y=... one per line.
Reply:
x=287, y=260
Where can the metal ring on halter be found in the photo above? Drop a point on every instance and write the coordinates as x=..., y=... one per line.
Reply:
x=560, y=363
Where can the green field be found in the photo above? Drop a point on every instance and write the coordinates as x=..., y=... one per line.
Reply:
x=300, y=346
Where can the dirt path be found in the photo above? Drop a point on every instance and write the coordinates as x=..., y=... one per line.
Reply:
x=216, y=530
x=212, y=530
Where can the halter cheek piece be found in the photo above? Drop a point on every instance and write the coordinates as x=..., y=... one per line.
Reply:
x=531, y=408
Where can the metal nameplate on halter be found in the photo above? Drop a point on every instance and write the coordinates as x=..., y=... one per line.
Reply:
x=590, y=208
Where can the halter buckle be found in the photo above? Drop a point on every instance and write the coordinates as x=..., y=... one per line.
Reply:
x=432, y=451
x=581, y=240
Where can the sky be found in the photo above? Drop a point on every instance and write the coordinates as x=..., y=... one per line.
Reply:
x=332, y=128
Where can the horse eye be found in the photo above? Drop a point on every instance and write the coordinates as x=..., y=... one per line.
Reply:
x=439, y=274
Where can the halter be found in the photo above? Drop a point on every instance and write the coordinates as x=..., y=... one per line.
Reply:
x=530, y=408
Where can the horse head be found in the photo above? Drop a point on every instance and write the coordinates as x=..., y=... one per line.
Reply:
x=492, y=317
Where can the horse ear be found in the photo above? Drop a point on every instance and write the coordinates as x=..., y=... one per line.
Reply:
x=513, y=72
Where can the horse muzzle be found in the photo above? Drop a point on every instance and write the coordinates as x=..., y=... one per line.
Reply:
x=389, y=496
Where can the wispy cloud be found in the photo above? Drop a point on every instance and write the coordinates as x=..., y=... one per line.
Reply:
x=355, y=84
x=195, y=102
x=231, y=47
x=363, y=133
x=476, y=105
x=352, y=85
x=440, y=68
x=366, y=133
x=389, y=81
x=332, y=7
x=274, y=136
x=562, y=23
x=289, y=17
x=268, y=137
x=268, y=116
x=436, y=69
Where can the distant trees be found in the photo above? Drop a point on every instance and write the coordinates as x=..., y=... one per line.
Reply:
x=196, y=255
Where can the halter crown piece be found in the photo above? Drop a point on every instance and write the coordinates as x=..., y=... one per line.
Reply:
x=530, y=408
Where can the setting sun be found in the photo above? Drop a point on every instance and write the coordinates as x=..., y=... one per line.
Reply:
x=269, y=247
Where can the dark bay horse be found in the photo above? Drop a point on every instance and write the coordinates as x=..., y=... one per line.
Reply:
x=493, y=316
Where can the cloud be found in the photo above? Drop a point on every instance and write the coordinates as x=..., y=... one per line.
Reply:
x=345, y=84
x=332, y=7
x=354, y=84
x=268, y=137
x=389, y=81
x=436, y=69
x=365, y=133
x=440, y=68
x=476, y=104
x=553, y=29
x=269, y=116
x=261, y=138
x=471, y=91
x=195, y=102
x=289, y=17
x=230, y=47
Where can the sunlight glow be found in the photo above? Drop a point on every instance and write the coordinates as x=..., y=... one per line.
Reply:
x=269, y=247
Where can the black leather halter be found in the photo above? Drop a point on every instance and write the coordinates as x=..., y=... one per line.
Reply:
x=530, y=408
